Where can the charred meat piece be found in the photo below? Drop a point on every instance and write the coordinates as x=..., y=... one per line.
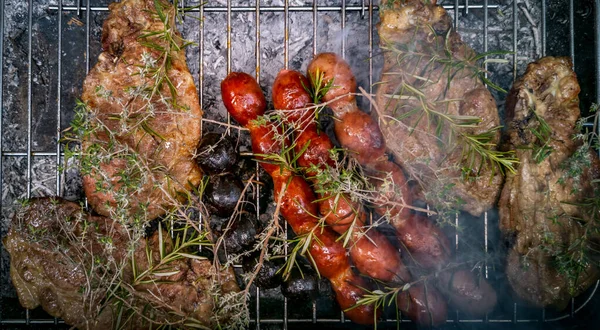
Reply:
x=67, y=261
x=429, y=99
x=141, y=120
x=539, y=212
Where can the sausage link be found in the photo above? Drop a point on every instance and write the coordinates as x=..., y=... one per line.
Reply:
x=363, y=131
x=427, y=243
x=371, y=252
x=297, y=207
x=423, y=304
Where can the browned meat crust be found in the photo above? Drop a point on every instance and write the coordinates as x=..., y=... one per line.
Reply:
x=427, y=65
x=534, y=204
x=138, y=143
x=56, y=251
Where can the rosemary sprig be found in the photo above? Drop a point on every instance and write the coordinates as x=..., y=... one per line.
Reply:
x=317, y=90
x=478, y=150
x=543, y=133
x=301, y=244
x=574, y=258
x=166, y=42
x=318, y=87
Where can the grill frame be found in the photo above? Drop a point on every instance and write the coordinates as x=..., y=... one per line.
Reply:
x=367, y=12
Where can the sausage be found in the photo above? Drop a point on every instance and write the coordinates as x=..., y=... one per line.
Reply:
x=469, y=293
x=371, y=252
x=360, y=131
x=354, y=129
x=423, y=304
x=244, y=100
x=428, y=246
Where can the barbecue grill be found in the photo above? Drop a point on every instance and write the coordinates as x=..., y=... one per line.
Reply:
x=48, y=46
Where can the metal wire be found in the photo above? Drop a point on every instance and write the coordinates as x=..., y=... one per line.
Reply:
x=257, y=9
x=2, y=18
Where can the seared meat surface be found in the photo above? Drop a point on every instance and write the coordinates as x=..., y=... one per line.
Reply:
x=429, y=86
x=547, y=262
x=77, y=267
x=142, y=120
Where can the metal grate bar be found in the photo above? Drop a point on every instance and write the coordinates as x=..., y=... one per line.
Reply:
x=2, y=18
x=201, y=60
x=257, y=186
x=58, y=98
x=572, y=31
x=315, y=22
x=87, y=38
x=515, y=27
x=29, y=95
x=343, y=25
x=515, y=52
x=271, y=8
x=544, y=28
x=597, y=9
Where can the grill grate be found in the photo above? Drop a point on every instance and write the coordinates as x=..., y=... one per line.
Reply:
x=83, y=9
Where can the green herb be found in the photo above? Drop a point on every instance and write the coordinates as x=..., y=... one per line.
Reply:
x=478, y=150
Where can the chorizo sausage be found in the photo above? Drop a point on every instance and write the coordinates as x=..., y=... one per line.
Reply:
x=244, y=100
x=372, y=253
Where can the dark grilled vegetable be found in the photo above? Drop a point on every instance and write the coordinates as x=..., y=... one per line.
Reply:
x=217, y=153
x=268, y=276
x=222, y=194
x=246, y=170
x=302, y=285
x=242, y=233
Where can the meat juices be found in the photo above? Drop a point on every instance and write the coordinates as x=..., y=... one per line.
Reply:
x=245, y=102
x=138, y=148
x=536, y=211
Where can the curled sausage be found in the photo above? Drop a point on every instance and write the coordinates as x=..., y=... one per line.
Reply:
x=423, y=304
x=468, y=292
x=244, y=101
x=371, y=252
x=359, y=133
x=428, y=246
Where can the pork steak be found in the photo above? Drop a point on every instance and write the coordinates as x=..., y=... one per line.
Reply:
x=140, y=124
x=550, y=233
x=429, y=99
x=77, y=267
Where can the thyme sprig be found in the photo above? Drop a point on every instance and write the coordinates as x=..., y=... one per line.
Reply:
x=574, y=259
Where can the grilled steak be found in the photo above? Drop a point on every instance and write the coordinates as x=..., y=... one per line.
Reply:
x=429, y=99
x=141, y=122
x=76, y=266
x=548, y=260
